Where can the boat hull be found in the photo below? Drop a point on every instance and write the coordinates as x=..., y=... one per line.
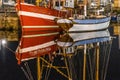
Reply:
x=84, y=25
x=39, y=31
x=38, y=18
x=89, y=27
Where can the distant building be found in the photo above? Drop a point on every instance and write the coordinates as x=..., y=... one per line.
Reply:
x=9, y=20
x=116, y=4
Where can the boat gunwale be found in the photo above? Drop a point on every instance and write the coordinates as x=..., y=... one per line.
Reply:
x=94, y=21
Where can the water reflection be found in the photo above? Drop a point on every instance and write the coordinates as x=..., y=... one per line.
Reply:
x=116, y=31
x=9, y=35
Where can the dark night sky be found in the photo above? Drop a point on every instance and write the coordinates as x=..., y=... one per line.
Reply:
x=10, y=70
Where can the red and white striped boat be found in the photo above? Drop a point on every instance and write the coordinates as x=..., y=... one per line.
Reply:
x=39, y=30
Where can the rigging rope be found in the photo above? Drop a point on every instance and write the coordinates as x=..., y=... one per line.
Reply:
x=104, y=58
x=55, y=68
x=10, y=49
x=28, y=70
x=66, y=63
x=72, y=72
x=90, y=63
x=48, y=71
x=26, y=74
x=110, y=43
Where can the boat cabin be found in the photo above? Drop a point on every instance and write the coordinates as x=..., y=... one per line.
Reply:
x=58, y=4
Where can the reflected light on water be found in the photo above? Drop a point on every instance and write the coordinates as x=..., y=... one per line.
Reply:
x=4, y=41
x=117, y=32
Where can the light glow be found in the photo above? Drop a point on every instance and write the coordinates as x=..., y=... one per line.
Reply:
x=4, y=41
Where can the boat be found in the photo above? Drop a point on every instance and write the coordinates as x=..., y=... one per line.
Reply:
x=42, y=38
x=38, y=17
x=85, y=17
x=39, y=28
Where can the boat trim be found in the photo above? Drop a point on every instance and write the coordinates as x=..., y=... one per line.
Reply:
x=88, y=27
x=37, y=47
x=38, y=15
x=40, y=26
x=92, y=40
x=38, y=35
x=92, y=21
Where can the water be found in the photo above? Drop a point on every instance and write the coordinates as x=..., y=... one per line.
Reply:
x=10, y=70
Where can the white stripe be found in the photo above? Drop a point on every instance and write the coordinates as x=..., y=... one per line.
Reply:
x=64, y=21
x=38, y=35
x=29, y=49
x=89, y=27
x=27, y=4
x=31, y=14
x=40, y=26
x=64, y=44
x=28, y=59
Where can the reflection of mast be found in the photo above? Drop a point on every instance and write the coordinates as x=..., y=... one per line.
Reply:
x=66, y=64
x=119, y=40
x=38, y=69
x=84, y=62
x=97, y=61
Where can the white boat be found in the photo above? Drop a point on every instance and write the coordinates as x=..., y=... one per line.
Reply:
x=81, y=21
x=84, y=25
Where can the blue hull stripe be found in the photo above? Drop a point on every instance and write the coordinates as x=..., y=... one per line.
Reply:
x=91, y=21
x=104, y=39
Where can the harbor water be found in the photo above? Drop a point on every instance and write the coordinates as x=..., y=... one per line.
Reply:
x=10, y=70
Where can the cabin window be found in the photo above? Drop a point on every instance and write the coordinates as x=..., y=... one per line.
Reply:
x=80, y=0
x=30, y=1
x=66, y=3
x=58, y=4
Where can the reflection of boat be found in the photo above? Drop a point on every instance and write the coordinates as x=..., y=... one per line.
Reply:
x=80, y=38
x=116, y=31
x=87, y=50
x=40, y=33
x=83, y=21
